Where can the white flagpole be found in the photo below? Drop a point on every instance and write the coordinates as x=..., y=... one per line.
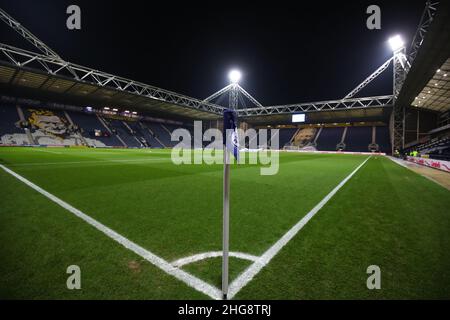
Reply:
x=233, y=104
x=226, y=221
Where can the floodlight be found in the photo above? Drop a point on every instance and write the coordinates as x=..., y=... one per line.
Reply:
x=234, y=76
x=396, y=43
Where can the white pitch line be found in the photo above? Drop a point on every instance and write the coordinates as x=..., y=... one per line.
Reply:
x=90, y=161
x=159, y=262
x=213, y=254
x=244, y=278
x=54, y=152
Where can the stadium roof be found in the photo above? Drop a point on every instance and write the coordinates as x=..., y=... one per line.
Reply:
x=436, y=94
x=427, y=84
x=96, y=88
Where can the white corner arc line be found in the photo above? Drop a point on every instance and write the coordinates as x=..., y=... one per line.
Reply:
x=162, y=264
x=212, y=254
x=244, y=278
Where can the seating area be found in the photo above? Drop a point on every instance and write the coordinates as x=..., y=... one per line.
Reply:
x=171, y=128
x=304, y=136
x=138, y=133
x=28, y=126
x=71, y=128
x=329, y=138
x=123, y=130
x=437, y=148
x=50, y=127
x=10, y=130
x=161, y=134
x=286, y=136
x=149, y=136
x=383, y=139
x=358, y=139
x=91, y=128
x=135, y=134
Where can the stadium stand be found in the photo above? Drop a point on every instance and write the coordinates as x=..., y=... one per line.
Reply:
x=138, y=133
x=435, y=144
x=304, y=137
x=50, y=126
x=122, y=132
x=329, y=138
x=358, y=139
x=69, y=127
x=286, y=136
x=382, y=139
x=150, y=135
x=11, y=131
x=93, y=131
x=437, y=148
x=170, y=128
x=161, y=134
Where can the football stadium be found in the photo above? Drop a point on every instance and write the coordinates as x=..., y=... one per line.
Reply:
x=112, y=188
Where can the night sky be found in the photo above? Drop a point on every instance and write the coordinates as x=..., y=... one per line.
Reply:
x=288, y=52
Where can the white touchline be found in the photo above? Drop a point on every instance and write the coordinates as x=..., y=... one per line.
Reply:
x=213, y=254
x=245, y=277
x=162, y=264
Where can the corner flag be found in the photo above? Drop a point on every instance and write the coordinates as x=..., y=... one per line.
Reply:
x=230, y=134
x=230, y=145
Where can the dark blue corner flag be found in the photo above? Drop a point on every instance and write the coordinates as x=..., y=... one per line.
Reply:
x=230, y=134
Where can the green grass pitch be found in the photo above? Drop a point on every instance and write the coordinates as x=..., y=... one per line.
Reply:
x=384, y=215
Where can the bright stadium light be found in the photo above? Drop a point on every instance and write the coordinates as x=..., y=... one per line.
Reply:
x=396, y=42
x=234, y=76
x=298, y=117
